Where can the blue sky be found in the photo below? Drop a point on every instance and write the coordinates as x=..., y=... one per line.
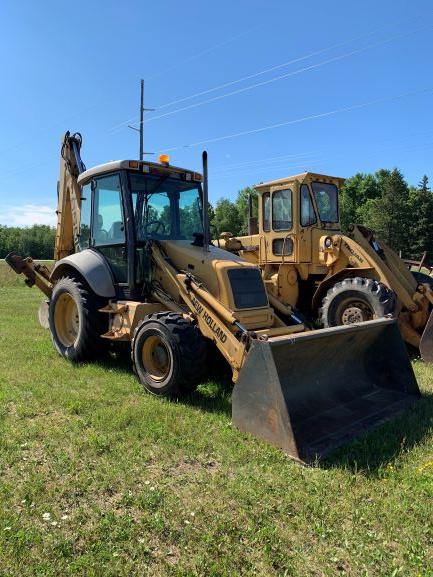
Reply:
x=268, y=88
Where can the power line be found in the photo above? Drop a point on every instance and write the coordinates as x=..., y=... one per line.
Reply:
x=203, y=52
x=413, y=147
x=299, y=120
x=268, y=160
x=250, y=76
x=266, y=70
x=288, y=74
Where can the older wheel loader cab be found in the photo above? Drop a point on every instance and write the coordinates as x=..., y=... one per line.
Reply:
x=295, y=214
x=134, y=265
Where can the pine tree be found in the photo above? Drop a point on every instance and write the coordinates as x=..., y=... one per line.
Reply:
x=420, y=211
x=389, y=215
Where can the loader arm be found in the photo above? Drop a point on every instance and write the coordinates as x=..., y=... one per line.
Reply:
x=390, y=267
x=69, y=197
x=215, y=321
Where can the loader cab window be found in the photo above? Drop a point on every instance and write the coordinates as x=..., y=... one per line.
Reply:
x=108, y=224
x=308, y=216
x=266, y=208
x=165, y=208
x=326, y=197
x=85, y=216
x=282, y=210
x=108, y=228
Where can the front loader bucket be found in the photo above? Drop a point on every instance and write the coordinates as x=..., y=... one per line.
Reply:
x=312, y=392
x=426, y=343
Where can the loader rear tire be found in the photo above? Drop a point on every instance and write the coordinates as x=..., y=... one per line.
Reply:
x=355, y=300
x=168, y=354
x=75, y=322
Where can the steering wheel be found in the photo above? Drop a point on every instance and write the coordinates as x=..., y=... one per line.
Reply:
x=159, y=224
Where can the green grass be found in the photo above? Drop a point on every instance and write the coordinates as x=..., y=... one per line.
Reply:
x=99, y=479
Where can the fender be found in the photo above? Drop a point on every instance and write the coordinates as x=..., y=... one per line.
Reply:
x=368, y=272
x=92, y=267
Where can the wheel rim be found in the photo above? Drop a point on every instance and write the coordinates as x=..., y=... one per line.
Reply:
x=156, y=358
x=66, y=320
x=355, y=312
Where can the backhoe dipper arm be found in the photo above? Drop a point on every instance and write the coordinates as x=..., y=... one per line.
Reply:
x=69, y=197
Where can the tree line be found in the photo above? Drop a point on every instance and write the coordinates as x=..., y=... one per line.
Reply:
x=401, y=215
x=36, y=241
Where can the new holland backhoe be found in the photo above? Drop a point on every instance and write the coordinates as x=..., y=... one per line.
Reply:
x=307, y=263
x=133, y=264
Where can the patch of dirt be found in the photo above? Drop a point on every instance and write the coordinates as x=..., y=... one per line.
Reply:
x=193, y=466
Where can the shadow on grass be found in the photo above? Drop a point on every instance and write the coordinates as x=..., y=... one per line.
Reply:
x=368, y=453
x=372, y=451
x=214, y=395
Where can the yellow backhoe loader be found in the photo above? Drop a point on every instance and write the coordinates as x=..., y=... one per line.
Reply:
x=134, y=264
x=339, y=279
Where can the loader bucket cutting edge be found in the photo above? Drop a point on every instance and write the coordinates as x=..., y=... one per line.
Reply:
x=313, y=392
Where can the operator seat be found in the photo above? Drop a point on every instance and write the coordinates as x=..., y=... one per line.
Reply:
x=117, y=232
x=100, y=234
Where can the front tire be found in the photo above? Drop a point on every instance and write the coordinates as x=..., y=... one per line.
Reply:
x=75, y=322
x=422, y=278
x=168, y=354
x=355, y=300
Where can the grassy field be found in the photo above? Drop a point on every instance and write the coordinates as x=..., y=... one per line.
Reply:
x=99, y=479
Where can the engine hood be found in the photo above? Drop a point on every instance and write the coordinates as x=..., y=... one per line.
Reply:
x=210, y=267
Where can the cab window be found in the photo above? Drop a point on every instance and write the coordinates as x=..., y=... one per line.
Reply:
x=85, y=214
x=108, y=225
x=326, y=196
x=282, y=210
x=266, y=200
x=308, y=216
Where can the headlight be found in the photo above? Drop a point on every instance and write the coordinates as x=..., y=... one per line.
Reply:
x=328, y=242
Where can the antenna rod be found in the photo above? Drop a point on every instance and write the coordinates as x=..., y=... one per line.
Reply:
x=142, y=120
x=205, y=203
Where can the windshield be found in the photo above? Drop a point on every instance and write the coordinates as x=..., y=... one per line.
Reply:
x=165, y=207
x=326, y=196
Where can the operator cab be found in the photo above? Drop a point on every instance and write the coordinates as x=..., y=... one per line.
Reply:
x=294, y=213
x=126, y=203
x=299, y=201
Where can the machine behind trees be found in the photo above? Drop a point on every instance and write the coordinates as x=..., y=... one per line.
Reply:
x=339, y=279
x=134, y=264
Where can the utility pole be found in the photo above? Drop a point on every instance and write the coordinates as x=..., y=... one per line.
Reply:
x=141, y=129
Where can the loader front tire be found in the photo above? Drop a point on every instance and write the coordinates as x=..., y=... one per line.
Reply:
x=75, y=322
x=422, y=278
x=168, y=354
x=355, y=300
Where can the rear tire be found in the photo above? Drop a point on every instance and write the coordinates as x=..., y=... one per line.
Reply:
x=75, y=322
x=355, y=300
x=168, y=354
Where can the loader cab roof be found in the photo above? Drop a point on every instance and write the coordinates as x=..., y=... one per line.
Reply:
x=304, y=177
x=136, y=165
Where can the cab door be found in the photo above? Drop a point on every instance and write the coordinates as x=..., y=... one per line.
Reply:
x=307, y=219
x=108, y=226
